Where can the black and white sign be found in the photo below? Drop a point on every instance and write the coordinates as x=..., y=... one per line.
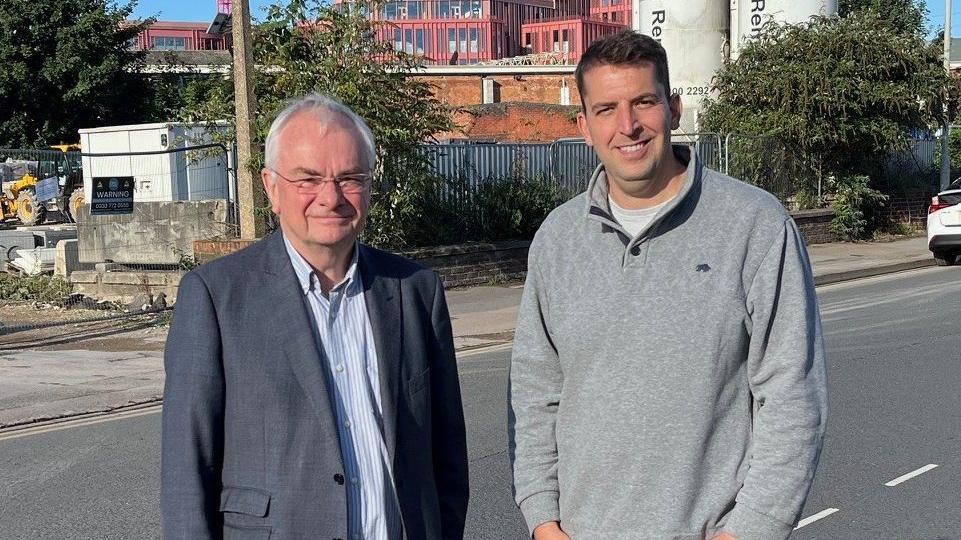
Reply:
x=112, y=195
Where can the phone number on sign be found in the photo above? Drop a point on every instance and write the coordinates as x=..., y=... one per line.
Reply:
x=691, y=90
x=111, y=206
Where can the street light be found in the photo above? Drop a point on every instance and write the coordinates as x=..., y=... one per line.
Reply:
x=946, y=129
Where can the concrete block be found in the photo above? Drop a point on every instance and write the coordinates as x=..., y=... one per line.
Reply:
x=84, y=277
x=67, y=258
x=121, y=278
x=155, y=233
x=102, y=267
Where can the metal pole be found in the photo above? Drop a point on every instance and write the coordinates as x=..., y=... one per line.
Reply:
x=946, y=129
x=250, y=196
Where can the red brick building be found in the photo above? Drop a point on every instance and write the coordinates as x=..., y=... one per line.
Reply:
x=460, y=32
x=565, y=38
x=180, y=36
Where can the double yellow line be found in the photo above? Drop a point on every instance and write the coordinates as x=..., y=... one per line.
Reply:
x=81, y=421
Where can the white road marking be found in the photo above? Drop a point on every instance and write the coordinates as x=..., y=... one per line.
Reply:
x=811, y=519
x=80, y=422
x=507, y=345
x=910, y=475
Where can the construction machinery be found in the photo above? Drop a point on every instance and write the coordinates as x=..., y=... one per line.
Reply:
x=36, y=182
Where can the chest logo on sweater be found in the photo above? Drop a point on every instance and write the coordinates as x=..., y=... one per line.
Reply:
x=703, y=268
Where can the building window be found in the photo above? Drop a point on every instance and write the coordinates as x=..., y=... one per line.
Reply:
x=398, y=42
x=462, y=32
x=414, y=10
x=164, y=43
x=473, y=40
x=451, y=40
x=389, y=12
x=419, y=41
x=443, y=10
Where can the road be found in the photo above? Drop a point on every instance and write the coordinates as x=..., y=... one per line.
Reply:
x=894, y=355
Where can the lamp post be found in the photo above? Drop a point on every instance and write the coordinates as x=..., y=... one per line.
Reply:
x=946, y=128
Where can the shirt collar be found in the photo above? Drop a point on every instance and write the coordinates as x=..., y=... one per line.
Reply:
x=306, y=275
x=598, y=206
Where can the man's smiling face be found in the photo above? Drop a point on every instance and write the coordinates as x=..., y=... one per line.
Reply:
x=628, y=119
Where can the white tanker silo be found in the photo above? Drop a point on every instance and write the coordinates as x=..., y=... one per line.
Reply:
x=749, y=16
x=695, y=35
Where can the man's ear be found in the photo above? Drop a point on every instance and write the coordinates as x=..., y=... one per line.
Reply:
x=676, y=109
x=582, y=126
x=270, y=186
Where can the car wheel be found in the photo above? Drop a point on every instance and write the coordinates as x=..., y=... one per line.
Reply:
x=944, y=258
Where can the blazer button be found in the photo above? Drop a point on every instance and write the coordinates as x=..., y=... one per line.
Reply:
x=339, y=478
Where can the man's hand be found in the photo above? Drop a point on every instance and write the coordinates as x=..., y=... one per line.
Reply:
x=550, y=531
x=723, y=536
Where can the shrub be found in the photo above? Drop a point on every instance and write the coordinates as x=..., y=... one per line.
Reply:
x=460, y=210
x=853, y=199
x=34, y=288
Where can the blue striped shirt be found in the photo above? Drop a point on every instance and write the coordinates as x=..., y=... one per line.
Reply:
x=344, y=332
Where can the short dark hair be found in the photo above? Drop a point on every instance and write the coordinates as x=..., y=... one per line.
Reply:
x=626, y=47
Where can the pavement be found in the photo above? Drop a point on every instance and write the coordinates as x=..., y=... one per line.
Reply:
x=41, y=384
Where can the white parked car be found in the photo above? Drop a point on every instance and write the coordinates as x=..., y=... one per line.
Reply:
x=944, y=225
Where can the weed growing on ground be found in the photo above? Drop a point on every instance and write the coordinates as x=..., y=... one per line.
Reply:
x=49, y=289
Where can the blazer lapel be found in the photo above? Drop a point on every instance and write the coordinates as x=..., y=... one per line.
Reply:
x=382, y=296
x=291, y=327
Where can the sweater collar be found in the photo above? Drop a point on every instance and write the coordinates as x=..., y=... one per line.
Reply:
x=598, y=207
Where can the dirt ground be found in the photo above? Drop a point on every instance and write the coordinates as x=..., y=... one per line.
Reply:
x=61, y=329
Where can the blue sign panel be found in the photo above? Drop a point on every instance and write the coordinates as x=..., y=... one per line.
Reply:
x=47, y=189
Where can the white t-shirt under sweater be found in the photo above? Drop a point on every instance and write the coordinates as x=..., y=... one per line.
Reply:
x=634, y=220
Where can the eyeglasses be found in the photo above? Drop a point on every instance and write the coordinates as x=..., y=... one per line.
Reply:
x=347, y=183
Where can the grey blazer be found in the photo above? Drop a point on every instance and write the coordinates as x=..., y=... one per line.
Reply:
x=250, y=444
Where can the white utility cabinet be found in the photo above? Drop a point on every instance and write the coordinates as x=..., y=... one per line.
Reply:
x=153, y=155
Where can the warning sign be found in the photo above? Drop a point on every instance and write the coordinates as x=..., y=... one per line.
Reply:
x=112, y=195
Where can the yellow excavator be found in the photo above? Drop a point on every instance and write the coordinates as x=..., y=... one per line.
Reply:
x=18, y=198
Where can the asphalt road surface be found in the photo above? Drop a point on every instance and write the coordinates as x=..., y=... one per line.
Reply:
x=891, y=467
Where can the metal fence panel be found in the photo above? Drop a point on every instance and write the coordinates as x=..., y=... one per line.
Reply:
x=569, y=163
x=764, y=161
x=572, y=164
x=481, y=162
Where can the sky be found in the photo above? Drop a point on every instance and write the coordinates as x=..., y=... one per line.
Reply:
x=190, y=10
x=203, y=11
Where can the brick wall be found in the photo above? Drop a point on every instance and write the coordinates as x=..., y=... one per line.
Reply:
x=815, y=225
x=475, y=263
x=463, y=90
x=516, y=122
x=911, y=207
x=479, y=263
x=208, y=250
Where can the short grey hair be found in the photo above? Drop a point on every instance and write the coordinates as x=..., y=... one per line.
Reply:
x=324, y=108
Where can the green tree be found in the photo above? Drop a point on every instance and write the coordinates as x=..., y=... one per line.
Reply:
x=905, y=15
x=64, y=65
x=308, y=45
x=840, y=93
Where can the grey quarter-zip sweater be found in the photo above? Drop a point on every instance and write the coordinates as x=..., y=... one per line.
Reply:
x=669, y=385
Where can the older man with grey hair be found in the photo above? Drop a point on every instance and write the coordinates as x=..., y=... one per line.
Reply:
x=311, y=387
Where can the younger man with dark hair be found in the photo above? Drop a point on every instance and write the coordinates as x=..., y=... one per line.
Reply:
x=667, y=379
